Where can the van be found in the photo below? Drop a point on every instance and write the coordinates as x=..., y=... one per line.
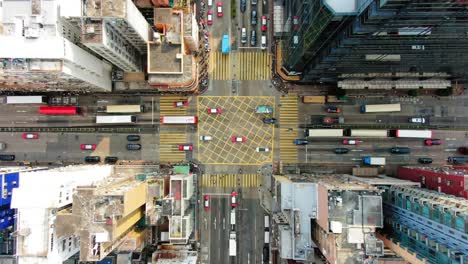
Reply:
x=243, y=36
x=2, y=145
x=253, y=17
x=263, y=43
x=243, y=5
x=253, y=37
x=6, y=157
x=133, y=146
x=92, y=159
x=264, y=109
x=400, y=150
x=206, y=138
x=210, y=3
x=267, y=222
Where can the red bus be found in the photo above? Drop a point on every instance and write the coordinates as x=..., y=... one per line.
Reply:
x=178, y=120
x=58, y=110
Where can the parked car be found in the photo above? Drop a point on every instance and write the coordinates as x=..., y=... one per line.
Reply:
x=133, y=138
x=244, y=35
x=400, y=150
x=268, y=120
x=133, y=146
x=30, y=136
x=253, y=17
x=186, y=147
x=206, y=138
x=417, y=120
x=7, y=157
x=425, y=160
x=238, y=139
x=341, y=150
x=262, y=149
x=111, y=159
x=209, y=17
x=253, y=2
x=253, y=38
x=263, y=44
x=88, y=146
x=301, y=141
x=2, y=145
x=463, y=150
x=433, y=141
x=215, y=110
x=92, y=159
x=233, y=199
x=264, y=23
x=219, y=9
x=333, y=109
x=181, y=103
x=243, y=5
x=351, y=142
x=206, y=202
x=210, y=3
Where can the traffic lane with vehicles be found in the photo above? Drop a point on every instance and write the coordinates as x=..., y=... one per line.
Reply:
x=221, y=25
x=250, y=227
x=321, y=150
x=56, y=147
x=219, y=225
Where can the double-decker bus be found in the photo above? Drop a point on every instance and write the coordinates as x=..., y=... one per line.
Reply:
x=378, y=108
x=368, y=133
x=319, y=133
x=404, y=133
x=32, y=99
x=125, y=109
x=116, y=119
x=58, y=110
x=178, y=120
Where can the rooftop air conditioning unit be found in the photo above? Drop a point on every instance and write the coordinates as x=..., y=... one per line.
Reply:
x=31, y=33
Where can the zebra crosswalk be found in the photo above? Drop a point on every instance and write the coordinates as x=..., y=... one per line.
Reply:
x=288, y=129
x=231, y=180
x=240, y=66
x=166, y=106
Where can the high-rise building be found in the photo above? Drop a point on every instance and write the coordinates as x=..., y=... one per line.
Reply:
x=39, y=51
x=375, y=44
x=432, y=225
x=40, y=199
x=449, y=180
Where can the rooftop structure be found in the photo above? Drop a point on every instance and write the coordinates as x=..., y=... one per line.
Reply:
x=39, y=238
x=174, y=254
x=374, y=44
x=171, y=62
x=447, y=180
x=103, y=216
x=431, y=224
x=335, y=214
x=38, y=51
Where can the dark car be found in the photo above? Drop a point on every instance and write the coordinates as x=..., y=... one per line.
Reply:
x=457, y=159
x=253, y=17
x=400, y=150
x=133, y=138
x=341, y=150
x=243, y=6
x=133, y=146
x=333, y=109
x=463, y=150
x=111, y=159
x=267, y=120
x=6, y=157
x=301, y=141
x=253, y=2
x=266, y=254
x=253, y=38
x=425, y=160
x=92, y=159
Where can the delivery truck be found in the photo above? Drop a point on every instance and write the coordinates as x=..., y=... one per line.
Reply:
x=380, y=161
x=232, y=244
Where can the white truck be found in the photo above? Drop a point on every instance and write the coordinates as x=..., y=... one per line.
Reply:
x=232, y=244
x=267, y=237
x=233, y=217
x=373, y=161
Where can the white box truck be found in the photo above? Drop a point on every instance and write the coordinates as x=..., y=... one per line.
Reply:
x=232, y=244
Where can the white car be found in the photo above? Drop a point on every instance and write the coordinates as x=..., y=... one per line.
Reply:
x=206, y=138
x=262, y=149
x=417, y=120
